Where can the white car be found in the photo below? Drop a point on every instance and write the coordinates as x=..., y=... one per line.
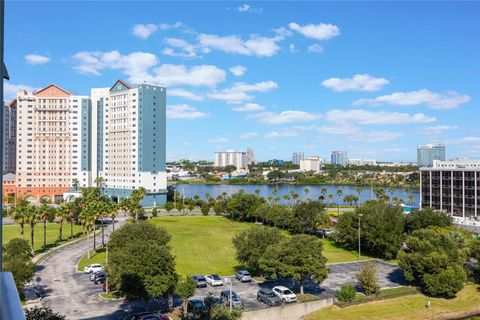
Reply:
x=93, y=268
x=214, y=280
x=285, y=294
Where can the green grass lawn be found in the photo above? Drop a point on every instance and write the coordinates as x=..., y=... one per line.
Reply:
x=97, y=256
x=201, y=244
x=13, y=231
x=336, y=253
x=406, y=308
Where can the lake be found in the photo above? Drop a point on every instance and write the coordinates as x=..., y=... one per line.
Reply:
x=366, y=193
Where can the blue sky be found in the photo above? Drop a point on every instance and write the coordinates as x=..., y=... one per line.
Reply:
x=375, y=79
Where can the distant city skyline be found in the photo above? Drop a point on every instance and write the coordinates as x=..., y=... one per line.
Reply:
x=280, y=77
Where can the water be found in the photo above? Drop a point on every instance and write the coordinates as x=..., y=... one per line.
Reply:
x=190, y=190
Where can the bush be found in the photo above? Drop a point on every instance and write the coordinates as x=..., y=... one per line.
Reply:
x=39, y=313
x=346, y=293
x=169, y=206
x=367, y=278
x=205, y=208
x=154, y=212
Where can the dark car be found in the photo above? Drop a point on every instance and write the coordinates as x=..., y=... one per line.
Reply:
x=267, y=296
x=147, y=316
x=100, y=277
x=243, y=276
x=200, y=281
x=94, y=274
x=195, y=306
x=236, y=301
x=211, y=300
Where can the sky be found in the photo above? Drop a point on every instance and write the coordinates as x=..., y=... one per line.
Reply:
x=373, y=78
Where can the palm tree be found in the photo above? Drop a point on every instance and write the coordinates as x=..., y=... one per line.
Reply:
x=75, y=183
x=286, y=198
x=410, y=199
x=32, y=217
x=358, y=190
x=44, y=213
x=19, y=214
x=307, y=191
x=321, y=198
x=62, y=215
x=70, y=207
x=112, y=212
x=323, y=191
x=295, y=196
x=257, y=192
x=330, y=197
x=136, y=199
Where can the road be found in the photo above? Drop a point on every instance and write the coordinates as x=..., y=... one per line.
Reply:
x=69, y=292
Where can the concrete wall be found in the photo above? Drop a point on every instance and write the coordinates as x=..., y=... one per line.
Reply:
x=288, y=312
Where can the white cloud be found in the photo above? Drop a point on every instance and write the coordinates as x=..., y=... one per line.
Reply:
x=10, y=90
x=238, y=70
x=218, y=140
x=244, y=8
x=167, y=26
x=320, y=31
x=248, y=135
x=35, y=59
x=375, y=117
x=284, y=117
x=292, y=48
x=255, y=46
x=354, y=133
x=248, y=107
x=434, y=100
x=464, y=140
x=436, y=130
x=315, y=48
x=184, y=112
x=144, y=30
x=184, y=94
x=238, y=92
x=187, y=50
x=359, y=82
x=143, y=66
x=283, y=133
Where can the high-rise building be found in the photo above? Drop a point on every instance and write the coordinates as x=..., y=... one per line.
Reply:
x=52, y=142
x=451, y=186
x=339, y=158
x=426, y=153
x=130, y=140
x=9, y=137
x=312, y=163
x=239, y=159
x=296, y=157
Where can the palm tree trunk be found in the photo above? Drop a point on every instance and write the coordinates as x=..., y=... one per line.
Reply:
x=44, y=234
x=94, y=239
x=32, y=233
x=22, y=227
x=60, y=236
x=71, y=229
x=103, y=234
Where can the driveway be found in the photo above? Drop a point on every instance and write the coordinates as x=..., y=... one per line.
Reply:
x=389, y=276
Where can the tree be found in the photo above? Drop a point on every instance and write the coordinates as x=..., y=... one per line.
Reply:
x=75, y=183
x=307, y=216
x=42, y=313
x=31, y=218
x=17, y=258
x=427, y=217
x=368, y=279
x=140, y=262
x=154, y=212
x=251, y=244
x=346, y=293
x=205, y=208
x=298, y=257
x=169, y=206
x=135, y=201
x=19, y=214
x=62, y=215
x=186, y=289
x=241, y=206
x=44, y=213
x=218, y=207
x=222, y=312
x=433, y=258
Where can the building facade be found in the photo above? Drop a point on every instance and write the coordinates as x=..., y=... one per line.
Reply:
x=451, y=186
x=339, y=158
x=239, y=159
x=130, y=140
x=426, y=153
x=312, y=163
x=10, y=137
x=296, y=157
x=362, y=162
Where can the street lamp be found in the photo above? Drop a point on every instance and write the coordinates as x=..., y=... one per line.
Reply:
x=359, y=216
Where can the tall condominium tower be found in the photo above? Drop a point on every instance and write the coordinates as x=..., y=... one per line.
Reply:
x=129, y=141
x=296, y=157
x=9, y=137
x=52, y=142
x=339, y=158
x=426, y=153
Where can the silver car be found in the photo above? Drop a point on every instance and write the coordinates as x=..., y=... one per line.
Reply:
x=243, y=276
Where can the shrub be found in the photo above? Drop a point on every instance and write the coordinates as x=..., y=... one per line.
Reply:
x=154, y=212
x=346, y=293
x=367, y=278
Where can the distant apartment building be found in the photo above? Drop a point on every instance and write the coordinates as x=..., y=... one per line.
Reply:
x=9, y=137
x=52, y=142
x=312, y=163
x=451, y=186
x=362, y=162
x=426, y=153
x=129, y=140
x=239, y=159
x=296, y=157
x=339, y=158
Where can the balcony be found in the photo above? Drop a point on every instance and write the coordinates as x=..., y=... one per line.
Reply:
x=10, y=306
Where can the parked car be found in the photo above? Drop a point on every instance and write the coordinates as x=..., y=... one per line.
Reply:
x=285, y=294
x=212, y=300
x=93, y=268
x=147, y=316
x=236, y=301
x=214, y=280
x=200, y=281
x=324, y=233
x=94, y=274
x=195, y=306
x=267, y=296
x=100, y=277
x=243, y=276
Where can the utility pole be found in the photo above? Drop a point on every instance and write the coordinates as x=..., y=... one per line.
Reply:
x=359, y=253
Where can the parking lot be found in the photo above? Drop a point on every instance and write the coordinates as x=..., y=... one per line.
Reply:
x=389, y=276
